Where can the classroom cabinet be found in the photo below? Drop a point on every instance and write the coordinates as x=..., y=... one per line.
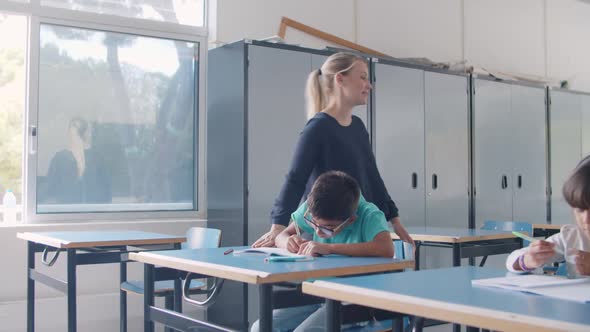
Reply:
x=510, y=151
x=256, y=110
x=421, y=121
x=569, y=116
x=421, y=141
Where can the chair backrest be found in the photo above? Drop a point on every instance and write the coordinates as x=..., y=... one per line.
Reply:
x=561, y=269
x=399, y=251
x=202, y=237
x=519, y=226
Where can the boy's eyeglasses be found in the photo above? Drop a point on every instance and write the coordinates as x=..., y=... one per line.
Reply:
x=327, y=231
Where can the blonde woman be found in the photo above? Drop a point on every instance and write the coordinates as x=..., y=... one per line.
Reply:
x=333, y=139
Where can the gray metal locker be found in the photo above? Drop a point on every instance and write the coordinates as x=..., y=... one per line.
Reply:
x=447, y=149
x=256, y=110
x=565, y=148
x=585, y=125
x=529, y=173
x=276, y=116
x=398, y=115
x=492, y=151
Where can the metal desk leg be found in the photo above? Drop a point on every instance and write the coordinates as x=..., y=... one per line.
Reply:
x=456, y=262
x=417, y=257
x=30, y=287
x=456, y=254
x=265, y=307
x=177, y=289
x=333, y=316
x=148, y=296
x=418, y=324
x=178, y=295
x=71, y=290
x=122, y=298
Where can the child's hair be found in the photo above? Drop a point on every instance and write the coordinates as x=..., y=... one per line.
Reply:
x=334, y=196
x=576, y=188
x=320, y=83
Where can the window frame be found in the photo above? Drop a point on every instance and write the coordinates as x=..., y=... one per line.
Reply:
x=38, y=15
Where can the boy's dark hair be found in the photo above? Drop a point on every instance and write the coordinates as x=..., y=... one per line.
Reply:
x=334, y=196
x=576, y=189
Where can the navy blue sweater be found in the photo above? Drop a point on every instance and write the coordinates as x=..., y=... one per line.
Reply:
x=325, y=145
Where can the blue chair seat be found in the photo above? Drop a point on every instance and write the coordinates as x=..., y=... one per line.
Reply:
x=161, y=288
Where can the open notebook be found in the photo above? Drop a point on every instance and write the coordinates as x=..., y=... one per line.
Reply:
x=554, y=286
x=275, y=254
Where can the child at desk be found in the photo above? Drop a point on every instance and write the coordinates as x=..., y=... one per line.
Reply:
x=342, y=222
x=573, y=241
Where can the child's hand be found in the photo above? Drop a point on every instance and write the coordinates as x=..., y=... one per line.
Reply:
x=311, y=248
x=540, y=252
x=582, y=261
x=294, y=243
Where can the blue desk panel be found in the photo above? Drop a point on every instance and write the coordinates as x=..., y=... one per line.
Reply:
x=123, y=237
x=453, y=285
x=255, y=262
x=454, y=232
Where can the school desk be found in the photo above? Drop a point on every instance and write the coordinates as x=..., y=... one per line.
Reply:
x=447, y=294
x=85, y=248
x=545, y=230
x=250, y=269
x=466, y=243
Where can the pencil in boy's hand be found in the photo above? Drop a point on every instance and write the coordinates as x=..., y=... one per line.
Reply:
x=297, y=228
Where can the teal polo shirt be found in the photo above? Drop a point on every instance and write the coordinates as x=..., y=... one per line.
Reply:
x=370, y=221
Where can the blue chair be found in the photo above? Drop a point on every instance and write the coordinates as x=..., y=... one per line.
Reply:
x=398, y=246
x=519, y=226
x=197, y=238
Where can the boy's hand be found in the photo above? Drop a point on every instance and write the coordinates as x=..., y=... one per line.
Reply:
x=582, y=261
x=311, y=248
x=294, y=243
x=540, y=252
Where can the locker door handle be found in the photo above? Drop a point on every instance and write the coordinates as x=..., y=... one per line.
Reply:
x=504, y=183
x=434, y=181
x=414, y=180
x=519, y=181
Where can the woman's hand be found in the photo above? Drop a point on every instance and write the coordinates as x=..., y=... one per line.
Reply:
x=268, y=239
x=401, y=232
x=311, y=248
x=540, y=252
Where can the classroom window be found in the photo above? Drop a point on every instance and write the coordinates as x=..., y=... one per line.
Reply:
x=13, y=34
x=117, y=122
x=186, y=12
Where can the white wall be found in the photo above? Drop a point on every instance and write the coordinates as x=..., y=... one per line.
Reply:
x=98, y=285
x=544, y=38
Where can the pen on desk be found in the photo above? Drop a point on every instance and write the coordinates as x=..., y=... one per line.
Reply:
x=228, y=251
x=531, y=239
x=287, y=259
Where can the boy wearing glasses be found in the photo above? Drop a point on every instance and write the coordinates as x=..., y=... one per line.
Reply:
x=342, y=222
